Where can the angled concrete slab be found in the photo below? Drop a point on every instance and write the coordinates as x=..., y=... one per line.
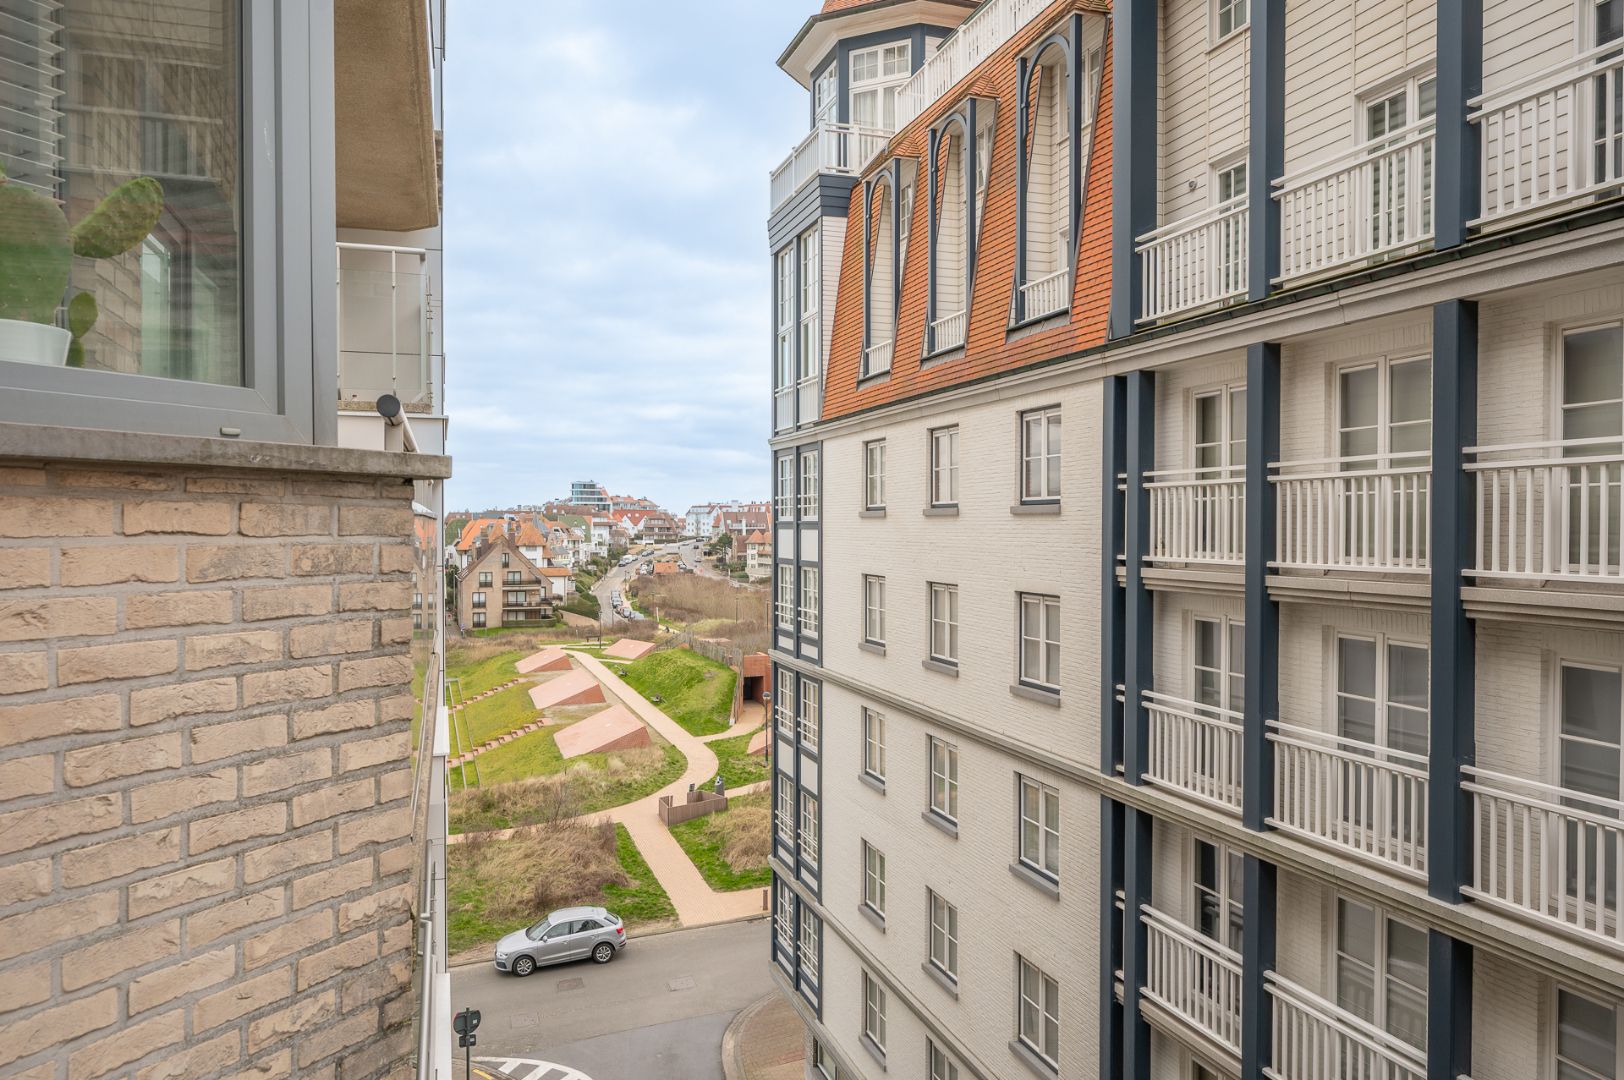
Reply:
x=553, y=659
x=615, y=728
x=629, y=649
x=575, y=688
x=758, y=742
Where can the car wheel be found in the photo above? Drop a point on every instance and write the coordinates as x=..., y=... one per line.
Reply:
x=603, y=952
x=523, y=966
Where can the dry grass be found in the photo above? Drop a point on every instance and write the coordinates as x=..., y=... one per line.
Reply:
x=585, y=786
x=730, y=849
x=692, y=598
x=538, y=871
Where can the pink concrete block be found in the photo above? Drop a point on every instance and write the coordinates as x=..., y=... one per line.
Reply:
x=615, y=728
x=546, y=660
x=575, y=688
x=629, y=649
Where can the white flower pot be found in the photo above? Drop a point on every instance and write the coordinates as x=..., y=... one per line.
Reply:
x=33, y=343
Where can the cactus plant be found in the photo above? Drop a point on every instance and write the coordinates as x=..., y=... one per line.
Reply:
x=37, y=249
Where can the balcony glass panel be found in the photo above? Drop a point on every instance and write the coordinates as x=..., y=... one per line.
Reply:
x=383, y=329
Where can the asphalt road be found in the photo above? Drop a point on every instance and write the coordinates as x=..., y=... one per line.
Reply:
x=658, y=1010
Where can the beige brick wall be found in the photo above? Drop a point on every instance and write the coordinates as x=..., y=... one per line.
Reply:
x=205, y=849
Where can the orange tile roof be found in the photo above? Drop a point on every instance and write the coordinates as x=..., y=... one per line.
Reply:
x=473, y=530
x=529, y=535
x=989, y=349
x=556, y=571
x=756, y=538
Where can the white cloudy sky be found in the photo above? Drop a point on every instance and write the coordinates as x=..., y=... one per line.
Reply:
x=607, y=289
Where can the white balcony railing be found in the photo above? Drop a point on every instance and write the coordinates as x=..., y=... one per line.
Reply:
x=1199, y=261
x=383, y=323
x=1197, y=515
x=1365, y=203
x=1194, y=978
x=841, y=149
x=784, y=408
x=977, y=37
x=877, y=357
x=1350, y=795
x=948, y=331
x=1046, y=295
x=1195, y=750
x=1548, y=853
x=1354, y=513
x=1554, y=137
x=1550, y=510
x=1315, y=1039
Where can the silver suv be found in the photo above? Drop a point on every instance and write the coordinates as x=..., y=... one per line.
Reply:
x=567, y=934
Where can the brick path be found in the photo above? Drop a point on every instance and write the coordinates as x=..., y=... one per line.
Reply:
x=767, y=1041
x=754, y=716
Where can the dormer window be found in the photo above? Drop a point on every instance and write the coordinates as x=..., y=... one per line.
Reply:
x=826, y=97
x=958, y=179
x=877, y=75
x=880, y=327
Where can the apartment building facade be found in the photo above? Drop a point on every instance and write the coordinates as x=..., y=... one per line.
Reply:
x=501, y=587
x=1196, y=540
x=216, y=839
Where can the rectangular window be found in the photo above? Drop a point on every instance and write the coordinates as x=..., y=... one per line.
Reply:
x=877, y=75
x=825, y=96
x=1228, y=17
x=479, y=620
x=873, y=1012
x=811, y=717
x=513, y=577
x=1040, y=456
x=944, y=623
x=505, y=558
x=784, y=920
x=873, y=609
x=1218, y=913
x=809, y=486
x=1587, y=1043
x=944, y=467
x=1592, y=419
x=1039, y=1012
x=1381, y=971
x=1040, y=641
x=417, y=620
x=811, y=943
x=874, y=475
x=485, y=579
x=1040, y=827
x=417, y=599
x=944, y=779
x=941, y=1066
x=1218, y=656
x=1220, y=432
x=784, y=703
x=479, y=599
x=811, y=344
x=809, y=601
x=786, y=812
x=821, y=1059
x=944, y=936
x=1591, y=736
x=873, y=878
x=809, y=829
x=1230, y=180
x=784, y=508
x=784, y=605
x=1382, y=693
x=874, y=744
x=513, y=599
x=785, y=372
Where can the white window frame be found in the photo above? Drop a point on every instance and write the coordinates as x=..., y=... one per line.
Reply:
x=784, y=704
x=810, y=348
x=1037, y=841
x=944, y=779
x=1221, y=8
x=826, y=96
x=942, y=948
x=874, y=475
x=807, y=835
x=809, y=600
x=809, y=717
x=784, y=604
x=874, y=743
x=944, y=474
x=821, y=1062
x=1230, y=674
x=874, y=879
x=874, y=1012
x=874, y=609
x=1229, y=445
x=1382, y=698
x=784, y=819
x=1559, y=735
x=1043, y=1009
x=784, y=920
x=809, y=486
x=944, y=623
x=884, y=86
x=1554, y=1060
x=1383, y=366
x=1039, y=619
x=1222, y=896
x=1047, y=488
x=939, y=1065
x=1381, y=973
x=785, y=370
x=811, y=942
x=786, y=487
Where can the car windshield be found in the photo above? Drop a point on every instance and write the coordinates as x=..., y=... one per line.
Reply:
x=535, y=932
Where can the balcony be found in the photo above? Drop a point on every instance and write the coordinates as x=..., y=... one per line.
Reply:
x=1552, y=139
x=1369, y=513
x=877, y=358
x=1351, y=796
x=1363, y=205
x=948, y=332
x=1197, y=516
x=1549, y=511
x=1315, y=1039
x=977, y=37
x=1194, y=978
x=1548, y=854
x=838, y=149
x=1195, y=750
x=383, y=324
x=1195, y=263
x=1047, y=295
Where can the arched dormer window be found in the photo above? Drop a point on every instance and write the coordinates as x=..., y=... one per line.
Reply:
x=959, y=167
x=1046, y=209
x=882, y=274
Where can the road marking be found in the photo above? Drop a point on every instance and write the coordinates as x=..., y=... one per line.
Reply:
x=539, y=1070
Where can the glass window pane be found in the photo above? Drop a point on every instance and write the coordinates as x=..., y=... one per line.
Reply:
x=1359, y=397
x=1407, y=675
x=1591, y=366
x=1586, y=1035
x=1590, y=704
x=1356, y=666
x=1356, y=931
x=1410, y=391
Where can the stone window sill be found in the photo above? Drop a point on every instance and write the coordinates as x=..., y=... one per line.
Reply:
x=873, y=1051
x=873, y=647
x=1036, y=509
x=941, y=511
x=1031, y=1060
x=876, y=512
x=942, y=979
x=1033, y=693
x=872, y=916
x=1043, y=883
x=872, y=781
x=936, y=820
x=941, y=666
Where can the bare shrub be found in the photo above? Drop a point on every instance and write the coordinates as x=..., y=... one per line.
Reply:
x=528, y=875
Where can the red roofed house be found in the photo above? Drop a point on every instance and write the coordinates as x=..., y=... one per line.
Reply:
x=758, y=554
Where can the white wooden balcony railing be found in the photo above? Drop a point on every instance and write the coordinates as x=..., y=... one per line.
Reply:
x=1370, y=201
x=1351, y=796
x=784, y=408
x=1195, y=262
x=1354, y=513
x=948, y=331
x=1315, y=1039
x=1549, y=510
x=1194, y=978
x=877, y=357
x=1046, y=295
x=977, y=37
x=1197, y=515
x=1195, y=750
x=1548, y=853
x=841, y=149
x=1554, y=137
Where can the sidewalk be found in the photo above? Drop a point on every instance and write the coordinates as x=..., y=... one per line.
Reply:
x=754, y=716
x=766, y=1041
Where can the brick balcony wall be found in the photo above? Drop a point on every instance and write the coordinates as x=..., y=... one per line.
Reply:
x=206, y=861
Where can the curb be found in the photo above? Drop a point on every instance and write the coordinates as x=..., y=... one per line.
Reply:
x=455, y=965
x=732, y=1067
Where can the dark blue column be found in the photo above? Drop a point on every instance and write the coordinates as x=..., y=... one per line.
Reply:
x=1454, y=647
x=1258, y=895
x=972, y=216
x=1133, y=152
x=1023, y=72
x=1449, y=1007
x=1078, y=100
x=1112, y=614
x=1457, y=162
x=933, y=143
x=1138, y=629
x=868, y=270
x=1111, y=870
x=1136, y=890
x=1266, y=152
x=1262, y=612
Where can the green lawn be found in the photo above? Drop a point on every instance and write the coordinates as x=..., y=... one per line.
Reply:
x=736, y=764
x=694, y=691
x=524, y=628
x=499, y=714
x=535, y=754
x=643, y=902
x=705, y=839
x=486, y=674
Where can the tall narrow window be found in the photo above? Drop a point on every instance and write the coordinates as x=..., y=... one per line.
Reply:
x=873, y=609
x=1592, y=421
x=874, y=475
x=784, y=605
x=1218, y=657
x=1040, y=641
x=809, y=601
x=1381, y=971
x=1399, y=182
x=1587, y=1045
x=826, y=96
x=785, y=819
x=944, y=779
x=877, y=75
x=1039, y=1012
x=874, y=878
x=785, y=374
x=811, y=954
x=1040, y=827
x=811, y=343
x=1589, y=742
x=809, y=486
x=944, y=467
x=784, y=703
x=950, y=252
x=1046, y=202
x=944, y=623
x=1219, y=915
x=882, y=283
x=809, y=829
x=941, y=1066
x=811, y=715
x=1385, y=423
x=944, y=937
x=873, y=1012
x=784, y=510
x=874, y=744
x=1040, y=456
x=784, y=921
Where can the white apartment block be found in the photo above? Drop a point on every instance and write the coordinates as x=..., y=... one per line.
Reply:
x=1198, y=601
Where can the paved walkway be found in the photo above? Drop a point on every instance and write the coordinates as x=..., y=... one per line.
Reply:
x=767, y=1041
x=754, y=716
